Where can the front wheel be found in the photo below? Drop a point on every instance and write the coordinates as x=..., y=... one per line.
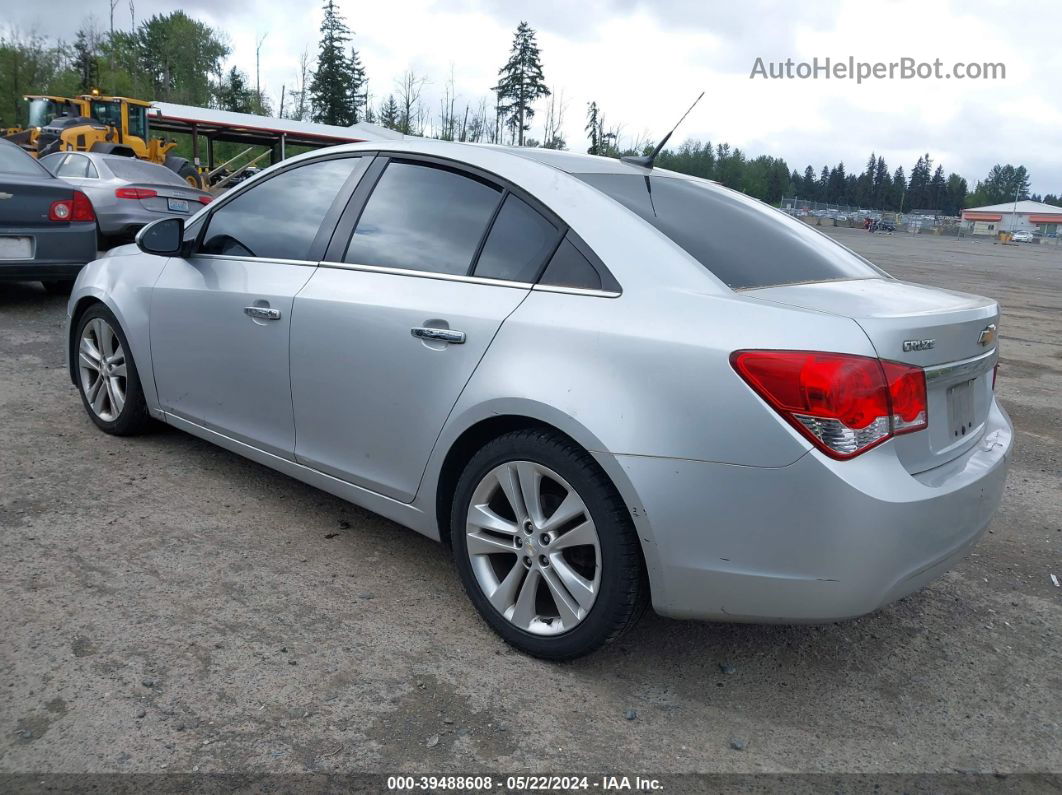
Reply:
x=545, y=547
x=106, y=375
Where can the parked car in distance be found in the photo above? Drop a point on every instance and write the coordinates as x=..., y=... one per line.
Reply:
x=47, y=227
x=598, y=383
x=1022, y=236
x=127, y=193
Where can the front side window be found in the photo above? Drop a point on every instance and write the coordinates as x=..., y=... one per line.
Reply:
x=109, y=113
x=280, y=217
x=423, y=217
x=743, y=242
x=518, y=243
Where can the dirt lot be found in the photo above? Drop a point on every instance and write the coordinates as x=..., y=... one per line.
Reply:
x=168, y=606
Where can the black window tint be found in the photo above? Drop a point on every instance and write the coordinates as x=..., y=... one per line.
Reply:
x=742, y=241
x=423, y=218
x=569, y=268
x=518, y=243
x=280, y=217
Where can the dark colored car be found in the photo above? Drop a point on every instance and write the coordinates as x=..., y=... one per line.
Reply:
x=47, y=228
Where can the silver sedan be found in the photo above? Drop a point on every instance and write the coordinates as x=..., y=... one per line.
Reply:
x=126, y=193
x=601, y=385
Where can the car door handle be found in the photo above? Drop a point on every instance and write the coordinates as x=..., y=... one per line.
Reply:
x=439, y=334
x=262, y=312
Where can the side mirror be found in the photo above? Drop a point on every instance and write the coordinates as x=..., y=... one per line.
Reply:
x=163, y=237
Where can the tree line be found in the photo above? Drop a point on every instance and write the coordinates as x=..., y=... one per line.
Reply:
x=176, y=58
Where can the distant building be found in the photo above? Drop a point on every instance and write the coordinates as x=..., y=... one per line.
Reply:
x=1014, y=217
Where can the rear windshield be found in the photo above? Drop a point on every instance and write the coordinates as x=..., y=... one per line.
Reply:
x=139, y=171
x=743, y=242
x=14, y=161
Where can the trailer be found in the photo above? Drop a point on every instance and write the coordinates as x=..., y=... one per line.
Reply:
x=207, y=126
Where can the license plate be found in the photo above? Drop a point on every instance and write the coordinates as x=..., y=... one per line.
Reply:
x=178, y=205
x=12, y=247
x=961, y=409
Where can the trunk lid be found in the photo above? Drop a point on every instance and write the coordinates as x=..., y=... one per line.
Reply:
x=950, y=335
x=161, y=202
x=26, y=200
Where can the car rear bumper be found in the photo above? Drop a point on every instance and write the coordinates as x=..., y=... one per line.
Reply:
x=59, y=252
x=818, y=540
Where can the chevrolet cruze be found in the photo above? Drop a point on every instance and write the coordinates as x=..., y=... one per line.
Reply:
x=602, y=385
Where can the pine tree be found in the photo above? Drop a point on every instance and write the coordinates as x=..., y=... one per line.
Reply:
x=390, y=115
x=592, y=129
x=521, y=82
x=938, y=188
x=86, y=62
x=332, y=86
x=899, y=190
x=809, y=185
x=234, y=94
x=358, y=87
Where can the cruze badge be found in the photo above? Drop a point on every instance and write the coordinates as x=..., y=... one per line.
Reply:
x=987, y=336
x=918, y=345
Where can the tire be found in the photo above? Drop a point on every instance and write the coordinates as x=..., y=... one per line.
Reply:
x=59, y=286
x=185, y=170
x=115, y=403
x=611, y=589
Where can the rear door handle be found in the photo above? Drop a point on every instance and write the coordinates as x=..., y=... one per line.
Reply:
x=439, y=334
x=262, y=312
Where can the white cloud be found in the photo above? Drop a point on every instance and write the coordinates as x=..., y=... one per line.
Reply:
x=644, y=62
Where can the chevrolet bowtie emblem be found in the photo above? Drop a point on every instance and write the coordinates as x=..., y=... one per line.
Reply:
x=987, y=336
x=6, y=195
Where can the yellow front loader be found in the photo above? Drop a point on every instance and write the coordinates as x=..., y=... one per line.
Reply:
x=94, y=123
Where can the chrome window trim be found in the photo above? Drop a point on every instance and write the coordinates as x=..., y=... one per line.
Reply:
x=584, y=291
x=973, y=366
x=303, y=262
x=447, y=277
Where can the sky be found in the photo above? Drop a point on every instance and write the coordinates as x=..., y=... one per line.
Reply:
x=645, y=62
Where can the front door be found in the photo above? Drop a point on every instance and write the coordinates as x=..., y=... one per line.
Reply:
x=220, y=319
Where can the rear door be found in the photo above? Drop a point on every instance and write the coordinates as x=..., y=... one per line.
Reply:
x=390, y=328
x=220, y=319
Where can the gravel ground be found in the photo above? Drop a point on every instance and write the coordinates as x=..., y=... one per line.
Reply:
x=168, y=606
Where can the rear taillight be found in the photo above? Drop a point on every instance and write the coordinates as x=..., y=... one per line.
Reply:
x=844, y=404
x=78, y=208
x=205, y=199
x=135, y=193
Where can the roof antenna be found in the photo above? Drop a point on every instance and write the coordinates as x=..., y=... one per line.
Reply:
x=647, y=160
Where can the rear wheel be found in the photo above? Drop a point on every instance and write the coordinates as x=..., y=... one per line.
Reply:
x=545, y=547
x=107, y=377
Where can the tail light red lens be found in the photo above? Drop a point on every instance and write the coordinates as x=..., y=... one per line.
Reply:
x=135, y=193
x=79, y=208
x=844, y=404
x=206, y=199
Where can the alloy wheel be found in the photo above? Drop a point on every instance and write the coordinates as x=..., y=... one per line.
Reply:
x=102, y=369
x=533, y=547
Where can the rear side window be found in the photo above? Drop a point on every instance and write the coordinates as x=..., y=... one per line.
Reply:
x=569, y=268
x=280, y=217
x=518, y=243
x=77, y=166
x=741, y=241
x=423, y=217
x=14, y=161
